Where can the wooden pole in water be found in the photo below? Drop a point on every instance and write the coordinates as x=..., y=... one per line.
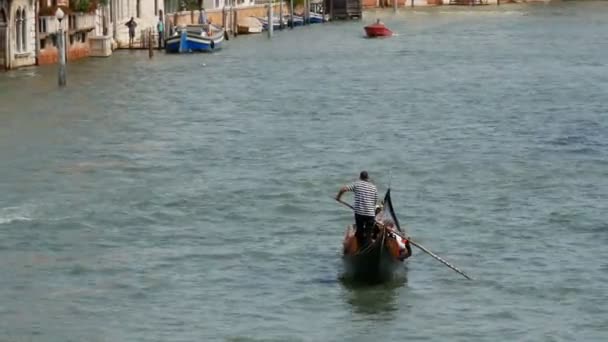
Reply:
x=236, y=22
x=291, y=13
x=308, y=10
x=270, y=23
x=395, y=6
x=412, y=3
x=150, y=49
x=229, y=18
x=224, y=18
x=331, y=10
x=234, y=19
x=281, y=14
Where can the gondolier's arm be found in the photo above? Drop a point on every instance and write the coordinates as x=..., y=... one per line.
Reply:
x=341, y=192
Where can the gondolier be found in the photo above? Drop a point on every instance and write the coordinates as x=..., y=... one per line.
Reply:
x=366, y=196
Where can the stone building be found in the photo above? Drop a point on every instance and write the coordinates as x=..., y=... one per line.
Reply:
x=144, y=12
x=17, y=33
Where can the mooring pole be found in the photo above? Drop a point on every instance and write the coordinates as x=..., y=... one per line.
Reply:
x=270, y=22
x=150, y=47
x=291, y=13
x=236, y=23
x=281, y=14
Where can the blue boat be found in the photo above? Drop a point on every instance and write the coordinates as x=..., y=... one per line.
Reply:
x=195, y=38
x=297, y=20
x=316, y=18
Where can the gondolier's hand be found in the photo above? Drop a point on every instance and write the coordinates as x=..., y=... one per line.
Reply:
x=340, y=193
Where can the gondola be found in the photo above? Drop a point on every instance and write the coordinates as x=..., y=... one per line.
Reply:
x=385, y=248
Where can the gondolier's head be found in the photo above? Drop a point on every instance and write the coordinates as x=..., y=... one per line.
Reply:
x=363, y=175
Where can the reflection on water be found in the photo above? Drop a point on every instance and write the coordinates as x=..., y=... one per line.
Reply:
x=375, y=299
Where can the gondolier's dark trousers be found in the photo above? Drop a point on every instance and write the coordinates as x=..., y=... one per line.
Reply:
x=365, y=225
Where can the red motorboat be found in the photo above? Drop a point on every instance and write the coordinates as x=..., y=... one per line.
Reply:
x=378, y=30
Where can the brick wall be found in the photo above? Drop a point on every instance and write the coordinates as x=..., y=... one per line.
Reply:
x=78, y=51
x=50, y=55
x=215, y=16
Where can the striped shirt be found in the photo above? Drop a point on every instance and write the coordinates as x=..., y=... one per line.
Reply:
x=366, y=196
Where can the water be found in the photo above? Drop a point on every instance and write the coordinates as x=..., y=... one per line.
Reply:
x=187, y=198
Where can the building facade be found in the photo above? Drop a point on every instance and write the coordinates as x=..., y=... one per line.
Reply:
x=78, y=26
x=17, y=33
x=145, y=13
x=3, y=33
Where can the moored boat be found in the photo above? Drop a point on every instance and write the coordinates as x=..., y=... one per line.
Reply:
x=317, y=18
x=276, y=22
x=195, y=38
x=384, y=252
x=377, y=30
x=249, y=25
x=297, y=20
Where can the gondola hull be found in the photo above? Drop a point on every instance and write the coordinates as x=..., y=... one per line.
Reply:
x=375, y=262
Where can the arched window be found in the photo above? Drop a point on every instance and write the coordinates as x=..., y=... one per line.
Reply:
x=23, y=30
x=18, y=30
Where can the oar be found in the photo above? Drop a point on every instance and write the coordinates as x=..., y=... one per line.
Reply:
x=439, y=258
x=424, y=249
x=346, y=204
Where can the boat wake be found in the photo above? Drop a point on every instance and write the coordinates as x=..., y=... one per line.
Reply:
x=14, y=214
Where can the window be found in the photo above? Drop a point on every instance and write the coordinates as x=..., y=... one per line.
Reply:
x=18, y=30
x=42, y=25
x=71, y=22
x=23, y=31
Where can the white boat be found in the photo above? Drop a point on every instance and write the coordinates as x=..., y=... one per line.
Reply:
x=276, y=22
x=249, y=25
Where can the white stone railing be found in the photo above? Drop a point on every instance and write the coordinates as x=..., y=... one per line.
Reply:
x=85, y=21
x=50, y=24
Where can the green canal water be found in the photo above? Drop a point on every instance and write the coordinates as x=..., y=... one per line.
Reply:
x=187, y=198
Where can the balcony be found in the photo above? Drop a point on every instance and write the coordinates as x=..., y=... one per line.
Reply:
x=83, y=21
x=50, y=24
